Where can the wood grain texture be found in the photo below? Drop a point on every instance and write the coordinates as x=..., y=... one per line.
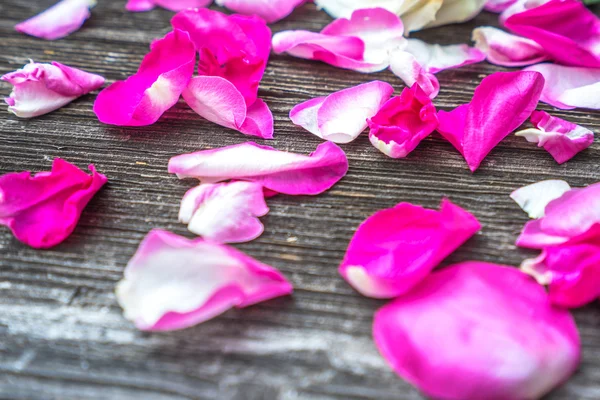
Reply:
x=62, y=335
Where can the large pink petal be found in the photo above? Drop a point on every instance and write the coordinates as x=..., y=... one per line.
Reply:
x=279, y=171
x=42, y=210
x=500, y=104
x=566, y=29
x=269, y=10
x=534, y=198
x=406, y=67
x=173, y=5
x=396, y=248
x=156, y=87
x=502, y=48
x=58, y=21
x=435, y=58
x=477, y=331
x=173, y=282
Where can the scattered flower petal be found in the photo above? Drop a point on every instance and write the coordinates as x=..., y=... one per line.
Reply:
x=534, y=198
x=478, y=331
x=173, y=282
x=518, y=7
x=456, y=11
x=396, y=248
x=269, y=10
x=172, y=5
x=42, y=210
x=502, y=48
x=497, y=6
x=60, y=20
x=406, y=67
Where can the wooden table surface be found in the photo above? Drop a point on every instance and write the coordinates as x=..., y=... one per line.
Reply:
x=62, y=334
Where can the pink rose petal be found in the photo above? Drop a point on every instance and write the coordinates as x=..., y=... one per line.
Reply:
x=342, y=116
x=562, y=139
x=269, y=10
x=403, y=122
x=502, y=48
x=396, y=248
x=497, y=6
x=518, y=7
x=156, y=87
x=406, y=67
x=173, y=5
x=173, y=282
x=42, y=210
x=60, y=20
x=224, y=212
x=476, y=331
x=41, y=88
x=534, y=198
x=278, y=171
x=500, y=104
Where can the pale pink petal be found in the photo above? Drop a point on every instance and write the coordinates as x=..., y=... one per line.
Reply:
x=279, y=171
x=566, y=29
x=269, y=10
x=224, y=212
x=406, y=67
x=435, y=58
x=173, y=282
x=476, y=331
x=345, y=8
x=156, y=87
x=497, y=6
x=41, y=88
x=396, y=248
x=534, y=198
x=562, y=139
x=500, y=104
x=173, y=5
x=502, y=48
x=402, y=122
x=342, y=116
x=42, y=210
x=569, y=87
x=60, y=20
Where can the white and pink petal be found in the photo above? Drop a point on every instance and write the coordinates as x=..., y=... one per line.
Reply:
x=60, y=20
x=534, y=198
x=502, y=48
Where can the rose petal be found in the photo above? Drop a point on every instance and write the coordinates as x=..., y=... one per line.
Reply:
x=60, y=20
x=342, y=116
x=345, y=8
x=394, y=249
x=534, y=198
x=518, y=7
x=456, y=11
x=42, y=210
x=42, y=88
x=497, y=6
x=402, y=122
x=173, y=283
x=500, y=104
x=406, y=67
x=279, y=171
x=562, y=139
x=435, y=58
x=477, y=331
x=417, y=14
x=173, y=5
x=508, y=50
x=156, y=87
x=269, y=10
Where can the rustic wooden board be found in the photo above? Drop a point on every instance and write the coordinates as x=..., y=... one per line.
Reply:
x=62, y=335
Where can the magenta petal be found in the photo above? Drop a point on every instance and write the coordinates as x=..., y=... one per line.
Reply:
x=500, y=104
x=476, y=331
x=42, y=210
x=269, y=10
x=60, y=20
x=394, y=249
x=173, y=5
x=173, y=282
x=279, y=171
x=508, y=50
x=259, y=121
x=156, y=87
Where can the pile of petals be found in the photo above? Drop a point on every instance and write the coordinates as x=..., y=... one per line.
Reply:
x=42, y=210
x=41, y=88
x=58, y=21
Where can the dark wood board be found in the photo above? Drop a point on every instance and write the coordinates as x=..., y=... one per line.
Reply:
x=62, y=335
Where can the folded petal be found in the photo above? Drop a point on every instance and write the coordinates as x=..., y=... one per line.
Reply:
x=500, y=104
x=435, y=58
x=406, y=67
x=269, y=10
x=396, y=248
x=156, y=87
x=562, y=139
x=278, y=171
x=534, y=198
x=478, y=331
x=173, y=5
x=569, y=87
x=502, y=48
x=402, y=122
x=42, y=210
x=41, y=88
x=456, y=11
x=342, y=116
x=60, y=20
x=173, y=282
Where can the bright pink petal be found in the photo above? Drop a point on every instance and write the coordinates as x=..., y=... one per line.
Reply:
x=477, y=331
x=396, y=248
x=406, y=67
x=280, y=171
x=224, y=212
x=497, y=6
x=500, y=104
x=534, y=198
x=156, y=87
x=434, y=58
x=562, y=139
x=518, y=7
x=42, y=210
x=403, y=122
x=173, y=5
x=58, y=21
x=569, y=87
x=269, y=10
x=342, y=116
x=566, y=29
x=502, y=48
x=41, y=88
x=173, y=282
